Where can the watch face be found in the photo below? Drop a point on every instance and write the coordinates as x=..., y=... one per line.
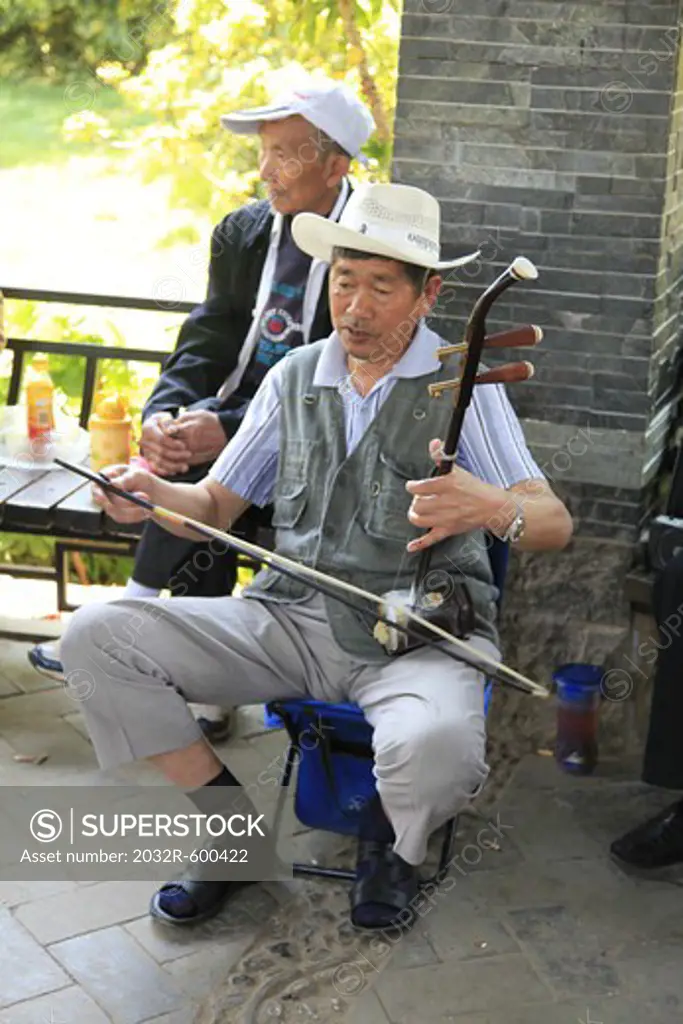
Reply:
x=517, y=529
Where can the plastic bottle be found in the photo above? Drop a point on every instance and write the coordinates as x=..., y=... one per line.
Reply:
x=40, y=406
x=111, y=432
x=578, y=702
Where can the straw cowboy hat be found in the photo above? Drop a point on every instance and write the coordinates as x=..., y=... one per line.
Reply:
x=397, y=221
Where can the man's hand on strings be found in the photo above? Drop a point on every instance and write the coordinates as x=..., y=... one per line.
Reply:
x=138, y=481
x=451, y=504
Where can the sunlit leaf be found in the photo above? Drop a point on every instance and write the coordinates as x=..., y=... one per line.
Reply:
x=362, y=18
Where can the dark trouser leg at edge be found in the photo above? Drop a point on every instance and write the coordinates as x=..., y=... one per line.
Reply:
x=658, y=843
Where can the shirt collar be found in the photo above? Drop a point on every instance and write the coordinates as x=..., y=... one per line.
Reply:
x=335, y=213
x=418, y=360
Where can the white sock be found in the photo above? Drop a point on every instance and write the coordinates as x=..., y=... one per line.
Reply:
x=135, y=589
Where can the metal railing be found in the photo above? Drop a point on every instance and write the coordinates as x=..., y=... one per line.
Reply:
x=86, y=299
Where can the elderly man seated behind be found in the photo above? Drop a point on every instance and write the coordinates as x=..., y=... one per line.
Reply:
x=338, y=437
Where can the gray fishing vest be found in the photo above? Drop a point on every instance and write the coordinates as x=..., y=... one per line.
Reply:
x=346, y=515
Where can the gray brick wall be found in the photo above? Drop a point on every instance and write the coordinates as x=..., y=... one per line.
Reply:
x=556, y=130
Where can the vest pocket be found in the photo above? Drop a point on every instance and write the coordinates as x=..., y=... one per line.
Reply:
x=398, y=469
x=290, y=502
x=386, y=508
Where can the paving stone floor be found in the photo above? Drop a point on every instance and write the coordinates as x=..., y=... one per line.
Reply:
x=539, y=926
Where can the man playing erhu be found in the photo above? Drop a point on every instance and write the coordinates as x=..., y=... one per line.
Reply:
x=337, y=437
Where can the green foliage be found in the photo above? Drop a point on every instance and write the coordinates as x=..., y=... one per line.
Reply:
x=186, y=234
x=25, y=549
x=106, y=570
x=30, y=549
x=65, y=40
x=315, y=18
x=225, y=57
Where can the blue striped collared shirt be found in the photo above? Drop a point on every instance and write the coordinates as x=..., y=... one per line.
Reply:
x=492, y=445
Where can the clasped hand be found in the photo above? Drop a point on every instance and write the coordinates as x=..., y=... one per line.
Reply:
x=451, y=504
x=171, y=445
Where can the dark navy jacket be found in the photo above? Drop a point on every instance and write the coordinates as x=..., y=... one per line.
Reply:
x=211, y=337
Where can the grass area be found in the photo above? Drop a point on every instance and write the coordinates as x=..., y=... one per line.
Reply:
x=80, y=216
x=32, y=114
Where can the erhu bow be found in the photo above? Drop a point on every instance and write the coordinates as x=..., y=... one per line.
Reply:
x=438, y=597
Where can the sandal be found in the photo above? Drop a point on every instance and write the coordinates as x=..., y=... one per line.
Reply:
x=195, y=901
x=386, y=888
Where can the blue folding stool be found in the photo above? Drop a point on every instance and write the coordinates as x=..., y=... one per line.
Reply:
x=333, y=745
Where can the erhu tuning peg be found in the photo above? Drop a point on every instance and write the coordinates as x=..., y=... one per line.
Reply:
x=518, y=337
x=508, y=373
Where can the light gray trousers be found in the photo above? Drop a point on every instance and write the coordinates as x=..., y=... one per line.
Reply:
x=145, y=659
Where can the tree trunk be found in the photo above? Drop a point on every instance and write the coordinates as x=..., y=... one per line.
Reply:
x=368, y=85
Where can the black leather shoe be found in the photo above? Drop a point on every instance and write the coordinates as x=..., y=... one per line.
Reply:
x=655, y=845
x=386, y=890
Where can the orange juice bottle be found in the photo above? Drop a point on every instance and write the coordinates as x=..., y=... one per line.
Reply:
x=111, y=432
x=40, y=392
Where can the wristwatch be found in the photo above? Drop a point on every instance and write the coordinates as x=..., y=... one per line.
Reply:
x=515, y=530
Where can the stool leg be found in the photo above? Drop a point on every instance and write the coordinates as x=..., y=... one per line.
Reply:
x=447, y=846
x=285, y=780
x=289, y=765
x=343, y=874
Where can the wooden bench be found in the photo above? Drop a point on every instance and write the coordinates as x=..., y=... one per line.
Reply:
x=54, y=502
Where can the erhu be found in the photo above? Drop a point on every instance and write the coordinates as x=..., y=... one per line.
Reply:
x=443, y=601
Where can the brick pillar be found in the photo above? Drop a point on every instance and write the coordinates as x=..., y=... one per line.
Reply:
x=555, y=130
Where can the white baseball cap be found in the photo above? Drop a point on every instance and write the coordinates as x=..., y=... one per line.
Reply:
x=328, y=105
x=400, y=222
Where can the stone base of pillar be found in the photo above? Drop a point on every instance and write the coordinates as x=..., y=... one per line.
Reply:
x=564, y=607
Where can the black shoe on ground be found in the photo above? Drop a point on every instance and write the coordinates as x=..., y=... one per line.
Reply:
x=385, y=893
x=655, y=846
